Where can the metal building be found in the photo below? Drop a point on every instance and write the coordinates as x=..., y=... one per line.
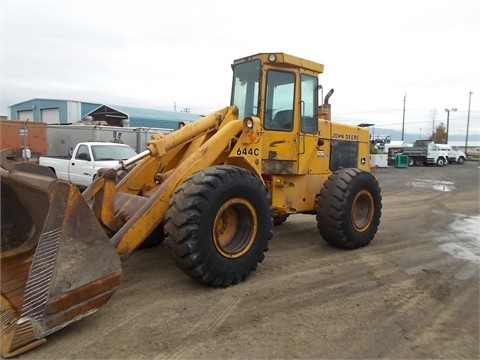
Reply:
x=51, y=111
x=139, y=117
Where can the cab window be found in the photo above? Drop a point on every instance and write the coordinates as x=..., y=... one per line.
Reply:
x=280, y=93
x=246, y=81
x=82, y=153
x=309, y=116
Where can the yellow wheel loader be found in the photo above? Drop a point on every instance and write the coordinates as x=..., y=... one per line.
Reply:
x=212, y=190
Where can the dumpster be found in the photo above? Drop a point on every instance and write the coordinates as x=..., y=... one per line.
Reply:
x=401, y=161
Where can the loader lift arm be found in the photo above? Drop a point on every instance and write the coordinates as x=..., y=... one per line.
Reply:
x=134, y=209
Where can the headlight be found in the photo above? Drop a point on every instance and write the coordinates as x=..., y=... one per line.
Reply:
x=272, y=57
x=248, y=122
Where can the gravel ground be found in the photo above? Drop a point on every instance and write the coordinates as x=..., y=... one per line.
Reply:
x=413, y=293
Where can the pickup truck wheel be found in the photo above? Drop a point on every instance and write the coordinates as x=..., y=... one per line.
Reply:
x=460, y=160
x=218, y=225
x=349, y=208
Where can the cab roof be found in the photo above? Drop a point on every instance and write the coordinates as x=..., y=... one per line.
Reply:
x=285, y=60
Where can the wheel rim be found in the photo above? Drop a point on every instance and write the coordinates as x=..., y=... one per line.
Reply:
x=362, y=211
x=235, y=227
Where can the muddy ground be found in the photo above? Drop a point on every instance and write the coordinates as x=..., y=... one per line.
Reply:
x=413, y=293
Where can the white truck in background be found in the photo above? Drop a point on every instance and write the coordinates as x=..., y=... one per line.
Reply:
x=86, y=159
x=426, y=152
x=454, y=154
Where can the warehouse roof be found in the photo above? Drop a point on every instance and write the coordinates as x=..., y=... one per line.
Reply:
x=118, y=115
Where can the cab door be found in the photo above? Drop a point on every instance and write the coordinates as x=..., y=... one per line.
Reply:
x=280, y=145
x=311, y=158
x=80, y=168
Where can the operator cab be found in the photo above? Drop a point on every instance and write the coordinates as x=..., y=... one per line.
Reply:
x=281, y=74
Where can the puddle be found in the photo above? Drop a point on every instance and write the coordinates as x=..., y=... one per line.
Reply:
x=438, y=185
x=465, y=232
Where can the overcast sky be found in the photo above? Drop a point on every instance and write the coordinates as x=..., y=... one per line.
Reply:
x=154, y=55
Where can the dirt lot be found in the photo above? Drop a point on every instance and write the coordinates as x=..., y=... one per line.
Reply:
x=413, y=293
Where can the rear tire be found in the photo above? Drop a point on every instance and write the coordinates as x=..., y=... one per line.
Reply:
x=218, y=225
x=349, y=208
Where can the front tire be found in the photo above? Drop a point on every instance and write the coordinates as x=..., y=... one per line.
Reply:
x=218, y=225
x=349, y=208
x=441, y=162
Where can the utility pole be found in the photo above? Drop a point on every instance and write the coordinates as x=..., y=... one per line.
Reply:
x=468, y=121
x=403, y=121
x=25, y=132
x=448, y=120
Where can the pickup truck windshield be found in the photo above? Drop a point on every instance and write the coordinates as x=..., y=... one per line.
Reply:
x=109, y=152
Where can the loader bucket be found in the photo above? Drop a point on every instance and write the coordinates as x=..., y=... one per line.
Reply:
x=57, y=264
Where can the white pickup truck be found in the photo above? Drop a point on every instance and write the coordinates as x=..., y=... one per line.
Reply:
x=86, y=159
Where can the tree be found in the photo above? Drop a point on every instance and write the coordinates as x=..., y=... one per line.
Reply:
x=439, y=136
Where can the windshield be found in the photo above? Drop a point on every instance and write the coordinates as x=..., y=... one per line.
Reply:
x=245, y=87
x=112, y=152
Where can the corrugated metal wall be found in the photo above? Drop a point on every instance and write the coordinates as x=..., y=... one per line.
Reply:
x=61, y=138
x=51, y=111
